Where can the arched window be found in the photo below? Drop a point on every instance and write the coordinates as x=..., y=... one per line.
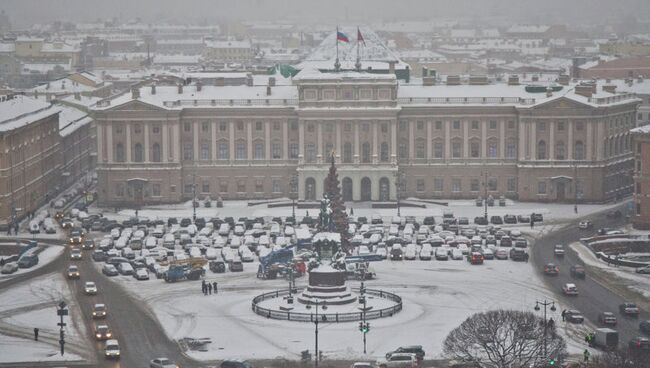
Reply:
x=365, y=152
x=579, y=153
x=541, y=150
x=240, y=150
x=155, y=152
x=420, y=148
x=560, y=151
x=138, y=153
x=474, y=148
x=258, y=153
x=119, y=152
x=384, y=152
x=347, y=152
x=511, y=149
x=492, y=148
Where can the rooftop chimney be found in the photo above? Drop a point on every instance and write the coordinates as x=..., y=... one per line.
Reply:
x=220, y=81
x=639, y=79
x=584, y=90
x=180, y=89
x=549, y=91
x=391, y=67
x=425, y=72
x=48, y=97
x=453, y=80
x=135, y=93
x=268, y=90
x=535, y=78
x=564, y=79
x=249, y=80
x=272, y=81
x=77, y=96
x=428, y=81
x=478, y=80
x=153, y=88
x=35, y=93
x=199, y=86
x=513, y=80
x=609, y=88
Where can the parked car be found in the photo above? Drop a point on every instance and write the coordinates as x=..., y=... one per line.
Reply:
x=102, y=332
x=162, y=362
x=476, y=258
x=442, y=254
x=110, y=270
x=501, y=254
x=496, y=220
x=644, y=270
x=236, y=265
x=9, y=268
x=90, y=288
x=639, y=343
x=577, y=271
x=141, y=274
x=510, y=219
x=570, y=289
x=629, y=309
x=607, y=318
x=574, y=316
x=28, y=260
x=644, y=326
x=125, y=269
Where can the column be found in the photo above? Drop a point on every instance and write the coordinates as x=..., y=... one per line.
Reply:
x=589, y=149
x=267, y=140
x=551, y=140
x=195, y=140
x=447, y=139
x=231, y=141
x=338, y=139
x=374, y=187
x=484, y=127
x=533, y=140
x=109, y=143
x=146, y=142
x=127, y=144
x=176, y=141
x=464, y=125
x=319, y=144
x=375, y=127
x=502, y=139
x=285, y=139
x=301, y=143
x=165, y=142
x=411, y=141
x=100, y=143
x=429, y=141
x=356, y=186
x=213, y=140
x=522, y=133
x=569, y=145
x=393, y=141
x=249, y=140
x=356, y=142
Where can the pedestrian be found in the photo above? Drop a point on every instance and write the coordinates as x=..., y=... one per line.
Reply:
x=575, y=208
x=563, y=315
x=551, y=323
x=526, y=257
x=16, y=229
x=214, y=287
x=618, y=257
x=586, y=355
x=209, y=288
x=204, y=287
x=35, y=334
x=9, y=230
x=532, y=223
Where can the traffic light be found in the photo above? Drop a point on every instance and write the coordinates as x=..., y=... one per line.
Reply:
x=361, y=326
x=551, y=362
x=366, y=328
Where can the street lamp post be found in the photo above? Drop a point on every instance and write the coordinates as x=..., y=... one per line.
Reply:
x=364, y=326
x=61, y=311
x=294, y=189
x=399, y=183
x=575, y=187
x=317, y=303
x=485, y=193
x=194, y=197
x=545, y=304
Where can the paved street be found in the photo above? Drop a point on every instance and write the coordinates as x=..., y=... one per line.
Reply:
x=594, y=297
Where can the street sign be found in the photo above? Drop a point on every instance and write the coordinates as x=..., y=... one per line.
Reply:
x=62, y=312
x=62, y=304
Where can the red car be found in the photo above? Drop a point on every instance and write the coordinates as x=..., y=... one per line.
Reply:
x=476, y=258
x=551, y=269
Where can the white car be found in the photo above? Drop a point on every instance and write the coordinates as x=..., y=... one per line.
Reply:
x=426, y=252
x=442, y=254
x=410, y=252
x=112, y=349
x=400, y=360
x=570, y=289
x=381, y=251
x=141, y=274
x=456, y=254
x=559, y=250
x=90, y=288
x=162, y=363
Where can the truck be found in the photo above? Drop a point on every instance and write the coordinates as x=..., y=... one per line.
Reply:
x=605, y=338
x=178, y=273
x=268, y=264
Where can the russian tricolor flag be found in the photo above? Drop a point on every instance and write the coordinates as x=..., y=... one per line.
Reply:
x=340, y=36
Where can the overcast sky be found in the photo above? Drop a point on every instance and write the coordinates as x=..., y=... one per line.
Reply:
x=26, y=12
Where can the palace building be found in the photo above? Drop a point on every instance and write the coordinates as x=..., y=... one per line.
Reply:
x=272, y=138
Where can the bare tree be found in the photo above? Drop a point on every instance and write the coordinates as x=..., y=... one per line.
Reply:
x=505, y=339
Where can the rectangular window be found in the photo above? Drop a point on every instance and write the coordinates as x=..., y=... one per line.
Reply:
x=258, y=125
x=156, y=129
x=419, y=185
x=365, y=127
x=223, y=186
x=511, y=124
x=438, y=125
x=189, y=188
x=240, y=125
x=137, y=129
x=492, y=184
x=580, y=125
x=294, y=125
x=403, y=125
x=456, y=124
x=276, y=151
x=438, y=184
x=541, y=187
x=240, y=151
x=384, y=128
x=188, y=151
x=172, y=189
x=119, y=190
x=475, y=125
x=223, y=126
x=455, y=149
x=205, y=188
x=541, y=126
x=310, y=127
x=118, y=130
x=276, y=125
x=455, y=185
x=512, y=184
x=155, y=190
x=474, y=185
x=560, y=126
x=205, y=151
x=438, y=150
x=224, y=152
x=205, y=127
x=329, y=127
x=420, y=125
x=293, y=150
x=241, y=186
x=276, y=186
x=259, y=186
x=493, y=124
x=187, y=127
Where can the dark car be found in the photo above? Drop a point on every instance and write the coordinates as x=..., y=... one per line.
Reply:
x=307, y=220
x=629, y=309
x=200, y=223
x=523, y=219
x=537, y=217
x=510, y=219
x=28, y=260
x=463, y=221
x=496, y=220
x=645, y=327
x=551, y=269
x=429, y=220
x=639, y=343
x=171, y=221
x=480, y=220
x=88, y=244
x=218, y=266
x=574, y=316
x=277, y=219
x=518, y=255
x=362, y=220
x=185, y=222
x=412, y=349
x=577, y=271
x=607, y=318
x=99, y=256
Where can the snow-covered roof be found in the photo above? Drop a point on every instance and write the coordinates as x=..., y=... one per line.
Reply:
x=314, y=74
x=44, y=67
x=22, y=110
x=55, y=47
x=522, y=28
x=71, y=119
x=326, y=236
x=7, y=47
x=228, y=44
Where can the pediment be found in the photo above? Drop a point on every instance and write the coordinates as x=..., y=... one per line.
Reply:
x=136, y=105
x=561, y=103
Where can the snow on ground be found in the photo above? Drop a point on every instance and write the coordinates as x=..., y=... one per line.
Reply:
x=437, y=297
x=47, y=255
x=16, y=350
x=639, y=283
x=555, y=212
x=33, y=304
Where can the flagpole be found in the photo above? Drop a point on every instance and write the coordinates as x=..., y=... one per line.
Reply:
x=337, y=64
x=358, y=64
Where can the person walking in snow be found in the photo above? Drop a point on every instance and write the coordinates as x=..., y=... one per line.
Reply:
x=204, y=287
x=209, y=288
x=35, y=334
x=214, y=287
x=563, y=315
x=586, y=354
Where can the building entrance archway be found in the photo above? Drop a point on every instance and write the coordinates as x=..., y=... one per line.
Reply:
x=346, y=189
x=384, y=190
x=366, y=189
x=310, y=189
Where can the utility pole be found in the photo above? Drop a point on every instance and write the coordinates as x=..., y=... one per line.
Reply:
x=294, y=189
x=317, y=303
x=545, y=304
x=399, y=183
x=62, y=311
x=364, y=326
x=485, y=189
x=575, y=187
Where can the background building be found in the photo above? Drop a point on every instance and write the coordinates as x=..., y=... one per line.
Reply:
x=641, y=146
